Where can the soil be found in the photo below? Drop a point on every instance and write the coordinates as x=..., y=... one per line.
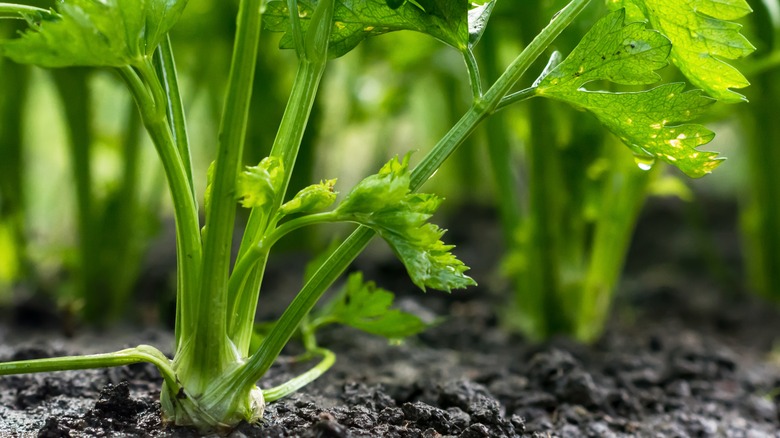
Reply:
x=686, y=354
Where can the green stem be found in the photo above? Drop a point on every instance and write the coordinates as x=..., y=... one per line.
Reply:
x=312, y=57
x=210, y=353
x=517, y=97
x=174, y=107
x=311, y=65
x=475, y=79
x=337, y=263
x=188, y=244
x=148, y=76
x=538, y=45
x=623, y=195
x=286, y=146
x=280, y=334
x=295, y=26
x=298, y=382
x=259, y=252
x=128, y=356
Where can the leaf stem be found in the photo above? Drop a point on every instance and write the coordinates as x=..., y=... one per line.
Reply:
x=174, y=108
x=259, y=252
x=149, y=77
x=298, y=382
x=538, y=45
x=622, y=197
x=286, y=146
x=128, y=356
x=475, y=79
x=188, y=243
x=516, y=97
x=295, y=25
x=209, y=355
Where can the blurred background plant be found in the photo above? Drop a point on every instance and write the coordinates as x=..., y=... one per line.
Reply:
x=568, y=194
x=75, y=216
x=759, y=138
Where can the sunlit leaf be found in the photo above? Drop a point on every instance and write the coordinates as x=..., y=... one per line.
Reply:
x=111, y=33
x=356, y=20
x=647, y=121
x=624, y=54
x=702, y=36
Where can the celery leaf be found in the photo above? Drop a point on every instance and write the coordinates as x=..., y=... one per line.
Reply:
x=702, y=36
x=107, y=33
x=366, y=307
x=385, y=203
x=356, y=20
x=646, y=121
x=257, y=185
x=313, y=198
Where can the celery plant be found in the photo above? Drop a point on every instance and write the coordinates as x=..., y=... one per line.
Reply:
x=568, y=244
x=211, y=380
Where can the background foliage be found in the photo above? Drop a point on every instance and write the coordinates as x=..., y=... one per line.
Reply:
x=81, y=198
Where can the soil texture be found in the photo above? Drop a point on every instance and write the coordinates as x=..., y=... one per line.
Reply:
x=684, y=356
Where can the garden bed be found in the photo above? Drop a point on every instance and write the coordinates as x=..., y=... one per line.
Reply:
x=682, y=357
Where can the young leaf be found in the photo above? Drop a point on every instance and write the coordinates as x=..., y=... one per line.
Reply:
x=629, y=54
x=257, y=185
x=109, y=33
x=384, y=203
x=366, y=307
x=209, y=184
x=356, y=20
x=624, y=54
x=702, y=36
x=316, y=197
x=479, y=15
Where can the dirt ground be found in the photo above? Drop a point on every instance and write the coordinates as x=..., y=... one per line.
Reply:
x=687, y=354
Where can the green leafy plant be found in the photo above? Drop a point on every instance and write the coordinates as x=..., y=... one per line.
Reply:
x=760, y=214
x=568, y=245
x=112, y=226
x=13, y=241
x=211, y=380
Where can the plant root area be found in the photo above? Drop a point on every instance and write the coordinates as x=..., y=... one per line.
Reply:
x=683, y=356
